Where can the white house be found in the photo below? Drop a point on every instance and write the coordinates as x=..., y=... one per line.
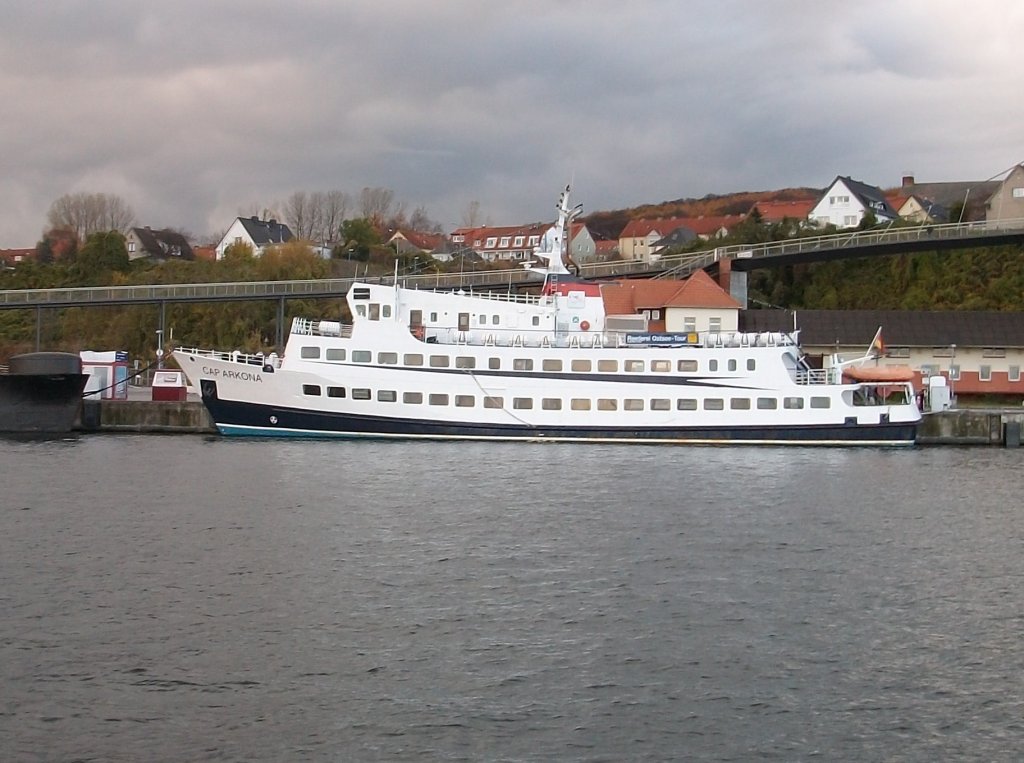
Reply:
x=847, y=201
x=259, y=234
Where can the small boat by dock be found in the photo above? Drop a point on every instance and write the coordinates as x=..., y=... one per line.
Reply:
x=41, y=393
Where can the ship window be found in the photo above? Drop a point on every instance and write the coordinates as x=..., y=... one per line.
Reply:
x=465, y=361
x=438, y=398
x=582, y=366
x=732, y=364
x=522, y=364
x=536, y=320
x=335, y=353
x=792, y=403
x=661, y=404
x=415, y=317
x=633, y=366
x=412, y=359
x=580, y=404
x=714, y=404
x=492, y=401
x=551, y=404
x=374, y=311
x=688, y=366
x=439, y=361
x=767, y=403
x=463, y=321
x=551, y=364
x=360, y=393
x=686, y=404
x=608, y=366
x=385, y=311
x=712, y=365
x=387, y=396
x=433, y=317
x=360, y=294
x=985, y=373
x=309, y=352
x=464, y=401
x=494, y=320
x=335, y=392
x=522, y=403
x=483, y=319
x=751, y=364
x=632, y=404
x=607, y=404
x=362, y=356
x=740, y=403
x=413, y=398
x=361, y=311
x=661, y=366
x=821, y=402
x=494, y=363
x=311, y=389
x=387, y=358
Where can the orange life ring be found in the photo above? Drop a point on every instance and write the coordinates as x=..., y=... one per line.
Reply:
x=585, y=325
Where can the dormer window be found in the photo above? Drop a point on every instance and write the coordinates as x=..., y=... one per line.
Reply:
x=491, y=241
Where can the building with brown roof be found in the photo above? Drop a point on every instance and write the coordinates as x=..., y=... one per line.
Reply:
x=696, y=304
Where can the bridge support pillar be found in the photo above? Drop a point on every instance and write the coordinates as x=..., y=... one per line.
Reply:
x=733, y=281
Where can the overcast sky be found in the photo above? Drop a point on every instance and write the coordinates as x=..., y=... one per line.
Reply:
x=196, y=111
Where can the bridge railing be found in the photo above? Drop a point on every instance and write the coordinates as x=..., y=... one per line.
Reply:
x=669, y=266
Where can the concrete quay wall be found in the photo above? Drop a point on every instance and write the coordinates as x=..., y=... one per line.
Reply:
x=185, y=417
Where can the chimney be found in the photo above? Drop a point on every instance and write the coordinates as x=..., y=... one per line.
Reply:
x=908, y=181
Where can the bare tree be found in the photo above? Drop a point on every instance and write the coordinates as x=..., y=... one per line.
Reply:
x=298, y=215
x=375, y=204
x=471, y=215
x=87, y=213
x=420, y=221
x=335, y=207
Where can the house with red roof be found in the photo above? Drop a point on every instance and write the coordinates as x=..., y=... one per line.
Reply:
x=696, y=304
x=773, y=212
x=517, y=242
x=408, y=241
x=645, y=239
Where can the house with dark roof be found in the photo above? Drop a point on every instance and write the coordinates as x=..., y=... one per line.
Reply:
x=259, y=234
x=981, y=353
x=917, y=209
x=157, y=245
x=969, y=196
x=847, y=201
x=1006, y=205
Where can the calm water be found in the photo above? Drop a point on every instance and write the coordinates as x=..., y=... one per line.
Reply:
x=188, y=598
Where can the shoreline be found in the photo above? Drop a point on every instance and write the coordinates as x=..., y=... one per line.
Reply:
x=139, y=414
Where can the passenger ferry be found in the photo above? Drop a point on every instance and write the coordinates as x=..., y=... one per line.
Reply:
x=552, y=366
